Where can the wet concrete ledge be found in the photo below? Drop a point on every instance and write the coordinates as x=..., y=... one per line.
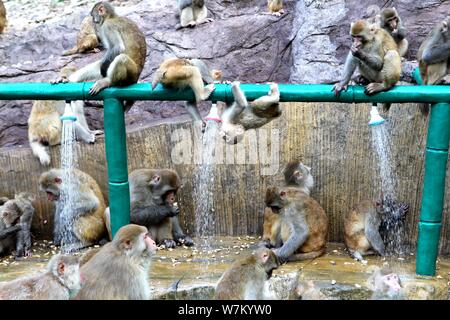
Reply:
x=333, y=276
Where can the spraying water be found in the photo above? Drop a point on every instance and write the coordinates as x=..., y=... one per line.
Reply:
x=66, y=202
x=204, y=179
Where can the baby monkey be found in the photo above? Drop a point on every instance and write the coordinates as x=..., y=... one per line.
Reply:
x=275, y=7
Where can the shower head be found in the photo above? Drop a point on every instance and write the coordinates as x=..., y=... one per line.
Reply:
x=375, y=118
x=213, y=114
x=68, y=113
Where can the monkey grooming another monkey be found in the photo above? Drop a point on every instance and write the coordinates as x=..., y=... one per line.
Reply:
x=297, y=175
x=303, y=224
x=2, y=16
x=182, y=73
x=375, y=54
x=386, y=285
x=246, y=277
x=434, y=58
x=87, y=40
x=119, y=270
x=45, y=126
x=125, y=56
x=391, y=22
x=19, y=212
x=275, y=7
x=60, y=282
x=192, y=13
x=242, y=116
x=152, y=195
x=88, y=218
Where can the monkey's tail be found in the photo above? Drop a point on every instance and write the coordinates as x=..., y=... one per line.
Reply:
x=157, y=78
x=306, y=256
x=424, y=109
x=41, y=152
x=386, y=107
x=127, y=105
x=70, y=51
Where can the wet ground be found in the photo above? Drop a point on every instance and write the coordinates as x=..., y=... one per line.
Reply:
x=335, y=275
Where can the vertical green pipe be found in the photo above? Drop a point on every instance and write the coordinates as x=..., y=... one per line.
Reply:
x=433, y=189
x=116, y=157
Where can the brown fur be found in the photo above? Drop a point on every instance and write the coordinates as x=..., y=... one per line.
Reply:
x=306, y=209
x=57, y=283
x=181, y=73
x=90, y=227
x=3, y=20
x=86, y=39
x=354, y=227
x=274, y=6
x=119, y=270
x=388, y=17
x=271, y=227
x=245, y=279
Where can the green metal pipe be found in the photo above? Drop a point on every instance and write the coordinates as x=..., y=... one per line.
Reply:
x=116, y=156
x=288, y=93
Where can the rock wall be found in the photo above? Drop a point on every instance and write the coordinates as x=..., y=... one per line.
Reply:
x=306, y=45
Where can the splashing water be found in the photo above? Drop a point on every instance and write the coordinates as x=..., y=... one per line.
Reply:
x=204, y=179
x=65, y=218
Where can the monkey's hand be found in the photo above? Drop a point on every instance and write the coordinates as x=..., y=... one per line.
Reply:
x=185, y=241
x=357, y=52
x=338, y=88
x=281, y=258
x=174, y=211
x=60, y=80
x=265, y=243
x=168, y=243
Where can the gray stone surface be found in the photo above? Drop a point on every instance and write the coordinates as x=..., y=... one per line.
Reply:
x=306, y=45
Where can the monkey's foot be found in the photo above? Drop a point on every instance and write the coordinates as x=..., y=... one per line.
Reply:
x=207, y=91
x=207, y=20
x=277, y=14
x=96, y=50
x=374, y=87
x=191, y=24
x=168, y=243
x=59, y=80
x=99, y=85
x=44, y=159
x=97, y=132
x=185, y=241
x=446, y=80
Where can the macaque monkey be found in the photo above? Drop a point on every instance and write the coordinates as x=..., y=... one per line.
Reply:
x=182, y=73
x=119, y=270
x=390, y=21
x=361, y=231
x=297, y=175
x=375, y=54
x=306, y=290
x=152, y=196
x=2, y=16
x=19, y=212
x=87, y=40
x=7, y=235
x=386, y=285
x=192, y=13
x=246, y=277
x=89, y=226
x=434, y=57
x=61, y=280
x=303, y=224
x=125, y=56
x=45, y=126
x=242, y=115
x=275, y=7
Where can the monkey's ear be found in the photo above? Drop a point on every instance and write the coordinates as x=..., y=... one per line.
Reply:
x=127, y=244
x=60, y=268
x=297, y=174
x=264, y=257
x=156, y=178
x=101, y=9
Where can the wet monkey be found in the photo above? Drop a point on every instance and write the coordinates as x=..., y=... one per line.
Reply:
x=374, y=53
x=89, y=226
x=245, y=279
x=303, y=224
x=61, y=280
x=386, y=285
x=19, y=212
x=182, y=73
x=125, y=56
x=119, y=270
x=45, y=126
x=2, y=16
x=390, y=21
x=87, y=40
x=192, y=13
x=242, y=115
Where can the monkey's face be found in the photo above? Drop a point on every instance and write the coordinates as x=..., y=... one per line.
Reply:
x=163, y=189
x=232, y=133
x=99, y=13
x=10, y=213
x=268, y=260
x=275, y=199
x=50, y=184
x=361, y=33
